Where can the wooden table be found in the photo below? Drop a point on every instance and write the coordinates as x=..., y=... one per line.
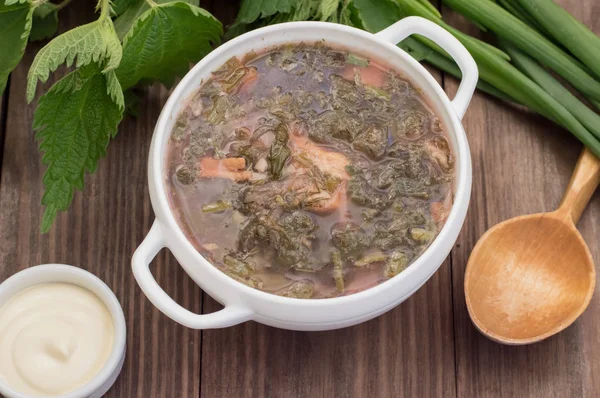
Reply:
x=425, y=347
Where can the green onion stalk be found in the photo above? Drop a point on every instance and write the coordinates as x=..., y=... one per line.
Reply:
x=529, y=40
x=496, y=71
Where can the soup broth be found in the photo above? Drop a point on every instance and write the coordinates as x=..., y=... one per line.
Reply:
x=309, y=172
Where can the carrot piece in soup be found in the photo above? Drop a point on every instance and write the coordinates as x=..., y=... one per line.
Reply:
x=330, y=162
x=230, y=168
x=369, y=76
x=337, y=200
x=441, y=210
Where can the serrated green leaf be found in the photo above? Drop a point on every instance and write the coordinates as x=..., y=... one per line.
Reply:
x=376, y=15
x=305, y=10
x=93, y=42
x=136, y=8
x=45, y=22
x=354, y=17
x=235, y=30
x=164, y=40
x=125, y=21
x=251, y=10
x=75, y=120
x=120, y=6
x=114, y=90
x=12, y=2
x=15, y=25
x=327, y=8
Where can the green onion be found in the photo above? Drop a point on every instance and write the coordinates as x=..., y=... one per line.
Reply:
x=531, y=68
x=424, y=53
x=501, y=74
x=515, y=9
x=493, y=69
x=431, y=7
x=417, y=7
x=561, y=25
x=505, y=25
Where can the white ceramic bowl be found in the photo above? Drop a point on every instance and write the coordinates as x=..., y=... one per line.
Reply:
x=56, y=273
x=242, y=303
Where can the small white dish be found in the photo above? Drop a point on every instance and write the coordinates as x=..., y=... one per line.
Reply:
x=55, y=273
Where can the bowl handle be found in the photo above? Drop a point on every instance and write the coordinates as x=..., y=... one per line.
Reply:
x=140, y=263
x=417, y=25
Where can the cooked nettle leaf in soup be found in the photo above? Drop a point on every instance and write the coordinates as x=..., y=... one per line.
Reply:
x=309, y=172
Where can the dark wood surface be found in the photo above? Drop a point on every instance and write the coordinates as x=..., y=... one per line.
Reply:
x=426, y=347
x=522, y=164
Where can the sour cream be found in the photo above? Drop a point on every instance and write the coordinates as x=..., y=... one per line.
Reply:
x=54, y=338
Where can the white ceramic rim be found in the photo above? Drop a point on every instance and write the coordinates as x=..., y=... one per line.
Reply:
x=444, y=241
x=62, y=273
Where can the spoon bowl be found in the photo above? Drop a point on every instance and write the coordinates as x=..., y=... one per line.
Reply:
x=532, y=276
x=526, y=294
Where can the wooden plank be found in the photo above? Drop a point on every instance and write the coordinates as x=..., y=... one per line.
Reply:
x=522, y=164
x=406, y=352
x=99, y=233
x=3, y=106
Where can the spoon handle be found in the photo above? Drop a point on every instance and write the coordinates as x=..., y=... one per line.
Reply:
x=584, y=181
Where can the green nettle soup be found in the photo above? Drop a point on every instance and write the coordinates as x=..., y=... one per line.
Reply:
x=309, y=172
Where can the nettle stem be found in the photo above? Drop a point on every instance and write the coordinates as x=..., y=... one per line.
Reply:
x=151, y=3
x=105, y=8
x=62, y=4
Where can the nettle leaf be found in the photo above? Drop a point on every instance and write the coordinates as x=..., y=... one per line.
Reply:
x=125, y=21
x=376, y=15
x=137, y=7
x=93, y=42
x=75, y=120
x=251, y=10
x=305, y=10
x=45, y=22
x=164, y=40
x=118, y=7
x=327, y=9
x=352, y=16
x=15, y=25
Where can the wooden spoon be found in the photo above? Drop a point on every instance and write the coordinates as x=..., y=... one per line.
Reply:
x=531, y=276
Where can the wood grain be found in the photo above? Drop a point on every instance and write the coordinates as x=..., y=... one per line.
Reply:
x=99, y=233
x=521, y=165
x=582, y=186
x=406, y=352
x=3, y=105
